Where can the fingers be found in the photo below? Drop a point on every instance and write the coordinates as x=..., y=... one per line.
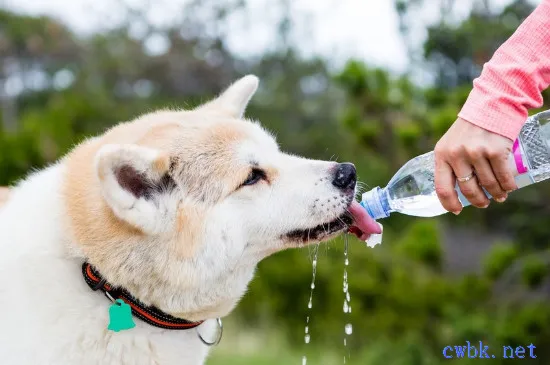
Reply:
x=502, y=172
x=445, y=187
x=487, y=179
x=465, y=149
x=470, y=189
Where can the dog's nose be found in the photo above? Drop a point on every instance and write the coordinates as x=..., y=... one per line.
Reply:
x=345, y=176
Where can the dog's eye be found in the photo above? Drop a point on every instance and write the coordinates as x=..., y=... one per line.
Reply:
x=254, y=176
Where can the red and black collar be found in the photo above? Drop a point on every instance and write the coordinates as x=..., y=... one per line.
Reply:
x=149, y=314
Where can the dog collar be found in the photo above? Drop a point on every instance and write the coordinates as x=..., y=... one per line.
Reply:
x=154, y=316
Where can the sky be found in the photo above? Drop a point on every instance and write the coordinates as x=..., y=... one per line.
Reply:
x=336, y=29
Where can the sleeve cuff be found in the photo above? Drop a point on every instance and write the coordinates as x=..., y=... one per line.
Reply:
x=494, y=115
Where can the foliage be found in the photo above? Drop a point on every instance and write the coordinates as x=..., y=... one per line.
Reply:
x=499, y=259
x=534, y=271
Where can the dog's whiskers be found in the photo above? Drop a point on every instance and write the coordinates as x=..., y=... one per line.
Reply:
x=361, y=187
x=325, y=229
x=348, y=211
x=344, y=223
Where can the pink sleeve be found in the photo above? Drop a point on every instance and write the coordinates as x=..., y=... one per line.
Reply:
x=512, y=81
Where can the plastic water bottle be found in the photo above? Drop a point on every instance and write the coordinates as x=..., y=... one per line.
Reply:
x=411, y=191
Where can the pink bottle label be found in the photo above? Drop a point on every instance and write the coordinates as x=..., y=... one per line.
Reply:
x=516, y=151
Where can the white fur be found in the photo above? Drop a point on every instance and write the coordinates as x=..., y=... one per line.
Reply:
x=48, y=315
x=234, y=103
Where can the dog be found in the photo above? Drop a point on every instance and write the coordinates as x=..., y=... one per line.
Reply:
x=167, y=215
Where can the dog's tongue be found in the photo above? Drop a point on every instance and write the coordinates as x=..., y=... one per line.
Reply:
x=363, y=222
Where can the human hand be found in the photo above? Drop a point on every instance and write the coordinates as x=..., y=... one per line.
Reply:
x=467, y=149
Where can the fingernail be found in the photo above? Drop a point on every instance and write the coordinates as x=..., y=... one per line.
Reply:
x=457, y=212
x=501, y=199
x=485, y=206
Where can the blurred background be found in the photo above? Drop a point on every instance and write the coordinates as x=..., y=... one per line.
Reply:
x=372, y=82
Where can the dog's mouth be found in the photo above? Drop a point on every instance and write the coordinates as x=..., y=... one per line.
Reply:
x=356, y=220
x=321, y=231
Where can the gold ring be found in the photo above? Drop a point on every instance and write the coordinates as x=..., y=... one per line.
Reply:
x=466, y=178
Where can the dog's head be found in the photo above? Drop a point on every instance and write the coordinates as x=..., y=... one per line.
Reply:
x=179, y=206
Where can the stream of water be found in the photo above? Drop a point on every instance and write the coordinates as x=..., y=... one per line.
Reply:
x=348, y=328
x=307, y=336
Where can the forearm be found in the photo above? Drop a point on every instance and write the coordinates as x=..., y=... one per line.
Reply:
x=512, y=81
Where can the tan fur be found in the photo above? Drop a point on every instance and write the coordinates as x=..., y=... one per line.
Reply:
x=176, y=135
x=189, y=224
x=4, y=195
x=82, y=197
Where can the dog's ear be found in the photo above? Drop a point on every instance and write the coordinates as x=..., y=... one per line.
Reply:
x=235, y=98
x=133, y=180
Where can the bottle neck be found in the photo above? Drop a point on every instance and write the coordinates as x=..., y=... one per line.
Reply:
x=376, y=203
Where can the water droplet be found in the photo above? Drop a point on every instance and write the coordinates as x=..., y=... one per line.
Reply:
x=348, y=329
x=307, y=336
x=347, y=307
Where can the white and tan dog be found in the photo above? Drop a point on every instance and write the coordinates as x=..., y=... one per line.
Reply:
x=177, y=208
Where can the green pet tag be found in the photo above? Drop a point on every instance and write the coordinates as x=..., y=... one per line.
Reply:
x=120, y=316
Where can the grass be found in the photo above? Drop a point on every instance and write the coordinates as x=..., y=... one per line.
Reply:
x=244, y=346
x=267, y=346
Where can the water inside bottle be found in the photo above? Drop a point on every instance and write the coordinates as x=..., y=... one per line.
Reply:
x=413, y=186
x=419, y=205
x=412, y=190
x=540, y=174
x=428, y=205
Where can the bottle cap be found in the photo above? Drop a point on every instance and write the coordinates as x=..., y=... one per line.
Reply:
x=372, y=202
